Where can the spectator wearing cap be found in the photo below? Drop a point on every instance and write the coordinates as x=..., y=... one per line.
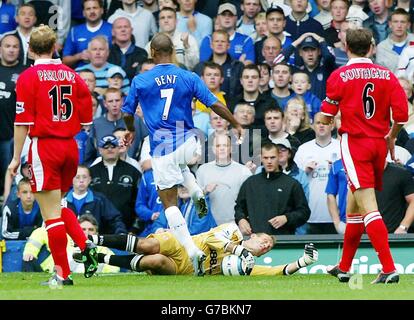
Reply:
x=119, y=133
x=99, y=53
x=271, y=201
x=191, y=21
x=116, y=179
x=82, y=200
x=75, y=51
x=276, y=24
x=286, y=154
x=106, y=124
x=299, y=22
x=186, y=46
x=241, y=46
x=115, y=77
x=315, y=59
x=124, y=52
x=21, y=216
x=246, y=23
x=324, y=16
x=142, y=21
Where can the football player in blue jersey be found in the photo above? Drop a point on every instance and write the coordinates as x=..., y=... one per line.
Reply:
x=165, y=94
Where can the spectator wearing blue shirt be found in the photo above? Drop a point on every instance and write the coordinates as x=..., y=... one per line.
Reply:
x=148, y=204
x=337, y=186
x=22, y=215
x=75, y=51
x=301, y=86
x=241, y=46
x=7, y=21
x=192, y=21
x=98, y=50
x=232, y=68
x=82, y=200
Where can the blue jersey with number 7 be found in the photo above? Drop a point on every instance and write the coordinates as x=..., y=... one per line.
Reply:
x=165, y=94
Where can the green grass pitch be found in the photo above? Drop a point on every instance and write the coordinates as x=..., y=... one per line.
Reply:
x=128, y=286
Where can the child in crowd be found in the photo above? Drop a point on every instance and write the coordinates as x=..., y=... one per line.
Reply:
x=301, y=86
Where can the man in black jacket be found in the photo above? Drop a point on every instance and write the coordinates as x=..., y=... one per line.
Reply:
x=124, y=52
x=271, y=201
x=116, y=179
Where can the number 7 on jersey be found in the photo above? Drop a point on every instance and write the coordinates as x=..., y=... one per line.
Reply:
x=166, y=93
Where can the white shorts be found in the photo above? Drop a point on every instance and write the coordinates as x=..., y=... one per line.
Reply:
x=168, y=169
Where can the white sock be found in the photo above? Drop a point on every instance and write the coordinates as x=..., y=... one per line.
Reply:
x=179, y=229
x=190, y=182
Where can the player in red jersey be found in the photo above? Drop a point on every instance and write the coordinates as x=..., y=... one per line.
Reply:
x=365, y=94
x=52, y=104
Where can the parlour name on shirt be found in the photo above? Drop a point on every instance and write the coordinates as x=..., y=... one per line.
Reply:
x=166, y=79
x=53, y=75
x=364, y=73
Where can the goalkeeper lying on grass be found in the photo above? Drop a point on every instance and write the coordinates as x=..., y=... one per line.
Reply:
x=161, y=253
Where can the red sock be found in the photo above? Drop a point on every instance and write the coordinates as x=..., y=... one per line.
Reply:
x=58, y=241
x=73, y=228
x=352, y=238
x=378, y=234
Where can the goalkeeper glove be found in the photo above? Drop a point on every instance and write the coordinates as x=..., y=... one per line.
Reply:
x=310, y=255
x=246, y=257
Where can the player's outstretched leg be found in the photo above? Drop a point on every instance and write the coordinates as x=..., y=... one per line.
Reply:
x=195, y=191
x=127, y=242
x=179, y=229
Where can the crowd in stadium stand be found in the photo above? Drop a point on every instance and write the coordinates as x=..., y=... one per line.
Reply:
x=267, y=60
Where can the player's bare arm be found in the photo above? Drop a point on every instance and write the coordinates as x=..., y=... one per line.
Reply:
x=129, y=123
x=20, y=133
x=391, y=137
x=225, y=113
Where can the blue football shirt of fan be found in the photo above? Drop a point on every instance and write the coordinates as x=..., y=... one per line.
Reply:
x=165, y=94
